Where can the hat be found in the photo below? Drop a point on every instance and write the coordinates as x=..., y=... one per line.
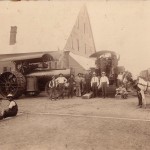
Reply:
x=60, y=74
x=103, y=72
x=9, y=95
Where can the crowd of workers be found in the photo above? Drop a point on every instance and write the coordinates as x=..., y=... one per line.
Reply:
x=78, y=85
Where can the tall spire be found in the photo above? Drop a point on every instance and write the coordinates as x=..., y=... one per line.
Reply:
x=81, y=39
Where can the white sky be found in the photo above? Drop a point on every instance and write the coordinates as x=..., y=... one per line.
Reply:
x=121, y=26
x=124, y=27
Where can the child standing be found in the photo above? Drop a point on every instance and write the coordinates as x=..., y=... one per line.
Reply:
x=53, y=90
x=71, y=82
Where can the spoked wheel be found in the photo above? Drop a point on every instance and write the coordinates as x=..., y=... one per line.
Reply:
x=12, y=82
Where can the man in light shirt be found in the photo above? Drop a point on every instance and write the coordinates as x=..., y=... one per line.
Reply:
x=61, y=80
x=104, y=83
x=12, y=109
x=120, y=79
x=94, y=84
x=78, y=81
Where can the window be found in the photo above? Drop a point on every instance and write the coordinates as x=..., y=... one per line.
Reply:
x=78, y=44
x=13, y=33
x=85, y=48
x=72, y=43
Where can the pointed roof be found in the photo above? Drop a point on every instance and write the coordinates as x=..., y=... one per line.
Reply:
x=81, y=35
x=33, y=20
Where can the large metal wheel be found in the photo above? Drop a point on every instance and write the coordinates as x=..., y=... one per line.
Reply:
x=12, y=82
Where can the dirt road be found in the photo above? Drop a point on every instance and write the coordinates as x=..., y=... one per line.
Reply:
x=76, y=124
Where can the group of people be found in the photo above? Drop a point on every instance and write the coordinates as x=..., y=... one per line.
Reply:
x=78, y=85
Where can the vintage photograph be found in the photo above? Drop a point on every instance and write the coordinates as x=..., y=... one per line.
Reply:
x=74, y=75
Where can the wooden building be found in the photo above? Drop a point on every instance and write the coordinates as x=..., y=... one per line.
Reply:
x=31, y=28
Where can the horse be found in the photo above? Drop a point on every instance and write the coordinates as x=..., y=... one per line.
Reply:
x=144, y=87
x=141, y=85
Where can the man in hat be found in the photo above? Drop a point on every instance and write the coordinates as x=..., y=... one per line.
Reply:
x=53, y=90
x=12, y=108
x=82, y=84
x=94, y=84
x=71, y=82
x=104, y=83
x=78, y=81
x=88, y=77
x=61, y=80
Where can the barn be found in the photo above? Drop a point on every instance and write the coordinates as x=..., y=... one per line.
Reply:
x=67, y=37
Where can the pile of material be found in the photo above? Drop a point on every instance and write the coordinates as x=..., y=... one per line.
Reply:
x=87, y=95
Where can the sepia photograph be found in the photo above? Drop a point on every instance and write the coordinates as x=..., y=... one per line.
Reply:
x=74, y=75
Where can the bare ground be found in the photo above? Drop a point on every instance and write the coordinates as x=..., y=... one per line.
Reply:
x=76, y=124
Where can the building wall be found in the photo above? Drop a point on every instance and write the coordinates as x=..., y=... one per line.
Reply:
x=44, y=30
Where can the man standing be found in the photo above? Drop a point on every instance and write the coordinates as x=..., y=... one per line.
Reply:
x=82, y=84
x=88, y=82
x=61, y=84
x=104, y=83
x=78, y=81
x=53, y=91
x=12, y=108
x=141, y=96
x=71, y=82
x=94, y=84
x=120, y=79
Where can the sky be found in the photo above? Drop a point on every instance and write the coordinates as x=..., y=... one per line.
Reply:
x=121, y=26
x=124, y=27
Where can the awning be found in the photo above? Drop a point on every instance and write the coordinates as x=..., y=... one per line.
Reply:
x=85, y=62
x=65, y=72
x=29, y=57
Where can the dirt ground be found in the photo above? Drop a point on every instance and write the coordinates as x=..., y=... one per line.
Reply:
x=76, y=124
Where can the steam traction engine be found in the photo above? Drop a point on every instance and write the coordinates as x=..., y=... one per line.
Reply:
x=107, y=61
x=31, y=75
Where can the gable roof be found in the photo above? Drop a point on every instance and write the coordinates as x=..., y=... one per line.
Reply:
x=33, y=20
x=81, y=39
